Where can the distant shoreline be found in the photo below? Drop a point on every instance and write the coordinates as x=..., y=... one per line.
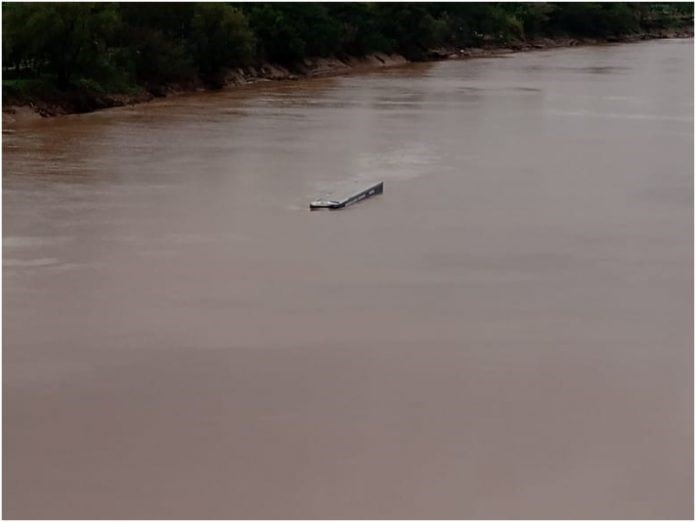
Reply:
x=72, y=103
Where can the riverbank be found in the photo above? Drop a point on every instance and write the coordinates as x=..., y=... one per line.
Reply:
x=80, y=101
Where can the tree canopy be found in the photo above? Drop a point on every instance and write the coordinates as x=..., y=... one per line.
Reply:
x=112, y=45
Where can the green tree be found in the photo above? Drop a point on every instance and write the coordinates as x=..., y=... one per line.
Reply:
x=279, y=39
x=220, y=38
x=155, y=41
x=289, y=32
x=360, y=31
x=71, y=39
x=16, y=41
x=413, y=29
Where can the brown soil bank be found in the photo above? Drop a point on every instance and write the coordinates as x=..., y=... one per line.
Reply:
x=80, y=101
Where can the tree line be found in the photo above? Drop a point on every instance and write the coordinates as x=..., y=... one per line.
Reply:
x=117, y=46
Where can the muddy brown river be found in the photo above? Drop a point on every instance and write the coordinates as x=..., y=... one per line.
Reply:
x=505, y=333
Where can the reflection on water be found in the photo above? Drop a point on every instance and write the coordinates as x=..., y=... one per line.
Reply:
x=505, y=333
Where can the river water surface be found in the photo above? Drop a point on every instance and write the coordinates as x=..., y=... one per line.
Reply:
x=506, y=332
